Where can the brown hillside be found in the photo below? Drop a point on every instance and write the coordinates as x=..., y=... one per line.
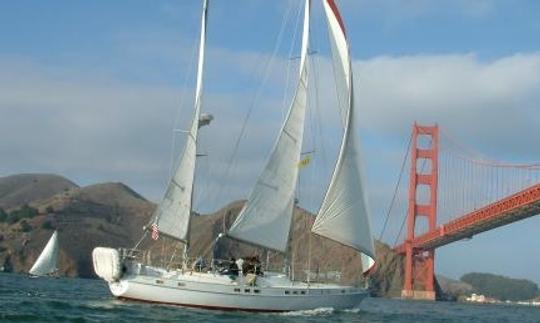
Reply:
x=113, y=215
x=16, y=190
x=108, y=214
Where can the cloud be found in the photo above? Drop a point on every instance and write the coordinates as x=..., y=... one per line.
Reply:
x=490, y=105
x=92, y=129
x=97, y=128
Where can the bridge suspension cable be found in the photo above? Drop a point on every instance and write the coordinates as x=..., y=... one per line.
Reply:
x=467, y=181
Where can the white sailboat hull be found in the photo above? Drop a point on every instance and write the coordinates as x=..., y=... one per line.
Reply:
x=199, y=290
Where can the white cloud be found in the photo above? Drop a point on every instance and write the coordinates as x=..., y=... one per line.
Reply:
x=103, y=129
x=491, y=105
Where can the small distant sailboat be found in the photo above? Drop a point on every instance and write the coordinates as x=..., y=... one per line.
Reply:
x=47, y=262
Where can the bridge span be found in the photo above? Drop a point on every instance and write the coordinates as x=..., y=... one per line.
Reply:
x=457, y=196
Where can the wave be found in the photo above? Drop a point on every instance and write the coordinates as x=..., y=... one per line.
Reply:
x=321, y=311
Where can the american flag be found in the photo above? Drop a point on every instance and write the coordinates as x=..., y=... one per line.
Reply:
x=155, y=231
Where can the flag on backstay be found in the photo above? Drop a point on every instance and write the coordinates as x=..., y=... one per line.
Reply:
x=155, y=231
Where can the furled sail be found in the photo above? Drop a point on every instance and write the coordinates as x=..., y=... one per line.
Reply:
x=48, y=259
x=173, y=214
x=343, y=216
x=266, y=217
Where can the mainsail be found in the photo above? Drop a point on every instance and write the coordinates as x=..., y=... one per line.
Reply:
x=343, y=216
x=48, y=259
x=173, y=214
x=266, y=217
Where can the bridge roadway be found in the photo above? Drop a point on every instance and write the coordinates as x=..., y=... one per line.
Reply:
x=521, y=205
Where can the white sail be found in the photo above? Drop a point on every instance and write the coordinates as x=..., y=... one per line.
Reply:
x=343, y=216
x=48, y=259
x=173, y=214
x=266, y=217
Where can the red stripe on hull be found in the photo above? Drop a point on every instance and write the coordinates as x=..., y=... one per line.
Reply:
x=335, y=9
x=208, y=307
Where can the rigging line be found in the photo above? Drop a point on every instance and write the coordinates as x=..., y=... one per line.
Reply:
x=141, y=239
x=314, y=147
x=405, y=217
x=269, y=62
x=173, y=255
x=181, y=108
x=288, y=74
x=318, y=114
x=396, y=188
x=483, y=159
x=200, y=191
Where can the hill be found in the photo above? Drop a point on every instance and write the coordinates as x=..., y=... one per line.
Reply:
x=112, y=214
x=454, y=289
x=17, y=190
x=500, y=287
x=109, y=214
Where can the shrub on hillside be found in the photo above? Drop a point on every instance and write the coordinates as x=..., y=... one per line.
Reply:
x=25, y=226
x=47, y=225
x=3, y=215
x=25, y=212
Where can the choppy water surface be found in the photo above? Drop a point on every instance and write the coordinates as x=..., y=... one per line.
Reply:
x=80, y=300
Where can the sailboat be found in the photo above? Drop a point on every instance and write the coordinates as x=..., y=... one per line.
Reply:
x=46, y=263
x=265, y=219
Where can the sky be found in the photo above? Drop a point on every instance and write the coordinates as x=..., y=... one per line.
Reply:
x=93, y=91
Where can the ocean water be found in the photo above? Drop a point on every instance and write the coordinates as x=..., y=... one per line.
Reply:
x=24, y=299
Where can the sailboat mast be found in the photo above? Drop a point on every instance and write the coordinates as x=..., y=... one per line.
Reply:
x=198, y=104
x=172, y=217
x=266, y=218
x=289, y=257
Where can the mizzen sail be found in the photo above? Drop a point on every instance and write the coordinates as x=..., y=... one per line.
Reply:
x=343, y=216
x=48, y=259
x=266, y=217
x=173, y=214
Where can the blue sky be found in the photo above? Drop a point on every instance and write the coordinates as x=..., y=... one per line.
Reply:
x=90, y=90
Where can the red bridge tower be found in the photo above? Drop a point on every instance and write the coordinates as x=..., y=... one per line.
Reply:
x=419, y=264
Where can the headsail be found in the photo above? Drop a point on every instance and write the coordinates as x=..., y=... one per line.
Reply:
x=343, y=216
x=173, y=214
x=266, y=217
x=48, y=259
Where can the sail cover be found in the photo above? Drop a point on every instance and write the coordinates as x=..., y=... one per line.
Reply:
x=343, y=216
x=48, y=259
x=266, y=217
x=173, y=214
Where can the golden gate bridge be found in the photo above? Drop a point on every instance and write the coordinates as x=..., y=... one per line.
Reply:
x=453, y=193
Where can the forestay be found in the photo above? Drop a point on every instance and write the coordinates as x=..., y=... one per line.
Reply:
x=173, y=214
x=343, y=216
x=48, y=259
x=266, y=217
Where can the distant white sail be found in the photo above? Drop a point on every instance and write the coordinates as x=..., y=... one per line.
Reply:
x=173, y=214
x=48, y=259
x=266, y=218
x=343, y=216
